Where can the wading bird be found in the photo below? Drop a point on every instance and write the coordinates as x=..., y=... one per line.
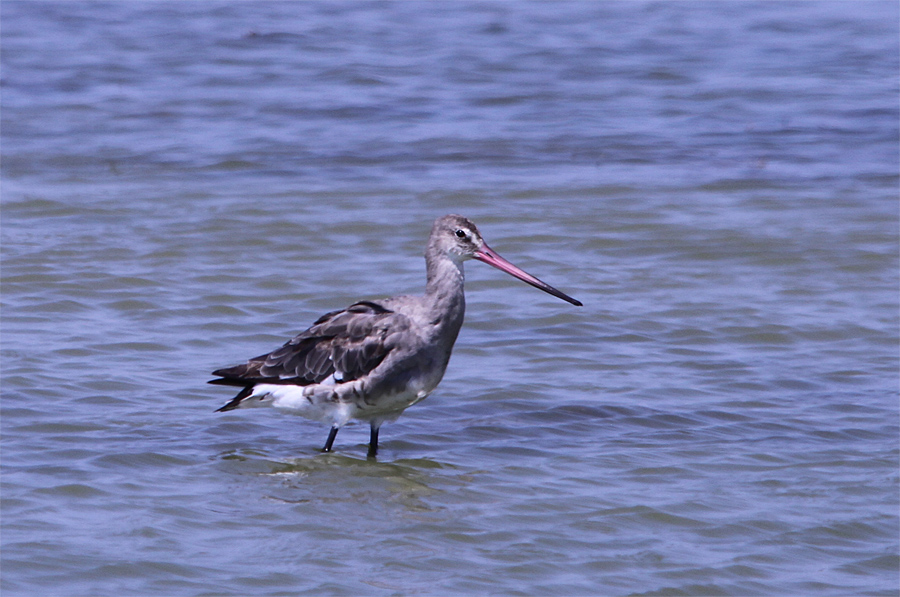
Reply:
x=374, y=359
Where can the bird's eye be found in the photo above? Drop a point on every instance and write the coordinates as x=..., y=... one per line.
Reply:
x=461, y=233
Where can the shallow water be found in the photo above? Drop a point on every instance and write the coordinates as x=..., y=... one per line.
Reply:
x=186, y=185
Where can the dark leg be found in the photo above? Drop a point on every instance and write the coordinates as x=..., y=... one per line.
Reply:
x=373, y=442
x=331, y=435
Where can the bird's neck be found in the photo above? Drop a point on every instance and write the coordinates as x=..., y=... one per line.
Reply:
x=444, y=294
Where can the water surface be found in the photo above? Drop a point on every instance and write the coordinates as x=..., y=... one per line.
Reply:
x=186, y=185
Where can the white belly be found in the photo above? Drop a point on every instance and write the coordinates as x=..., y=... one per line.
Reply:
x=334, y=404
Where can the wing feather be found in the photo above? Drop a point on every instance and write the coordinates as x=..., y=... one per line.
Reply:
x=349, y=343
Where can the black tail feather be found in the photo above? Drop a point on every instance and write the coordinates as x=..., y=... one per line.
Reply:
x=236, y=401
x=226, y=381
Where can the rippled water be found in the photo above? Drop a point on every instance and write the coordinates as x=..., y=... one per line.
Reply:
x=186, y=185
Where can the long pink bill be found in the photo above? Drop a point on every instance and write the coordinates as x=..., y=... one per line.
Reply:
x=489, y=256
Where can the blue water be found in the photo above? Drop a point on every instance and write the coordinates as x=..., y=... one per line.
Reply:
x=186, y=185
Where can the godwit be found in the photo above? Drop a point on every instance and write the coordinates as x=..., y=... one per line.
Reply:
x=374, y=359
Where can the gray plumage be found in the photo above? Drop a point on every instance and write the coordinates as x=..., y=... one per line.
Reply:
x=374, y=359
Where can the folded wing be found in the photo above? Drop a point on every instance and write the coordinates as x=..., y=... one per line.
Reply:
x=345, y=344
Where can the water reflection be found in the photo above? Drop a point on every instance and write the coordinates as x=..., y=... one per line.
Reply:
x=408, y=482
